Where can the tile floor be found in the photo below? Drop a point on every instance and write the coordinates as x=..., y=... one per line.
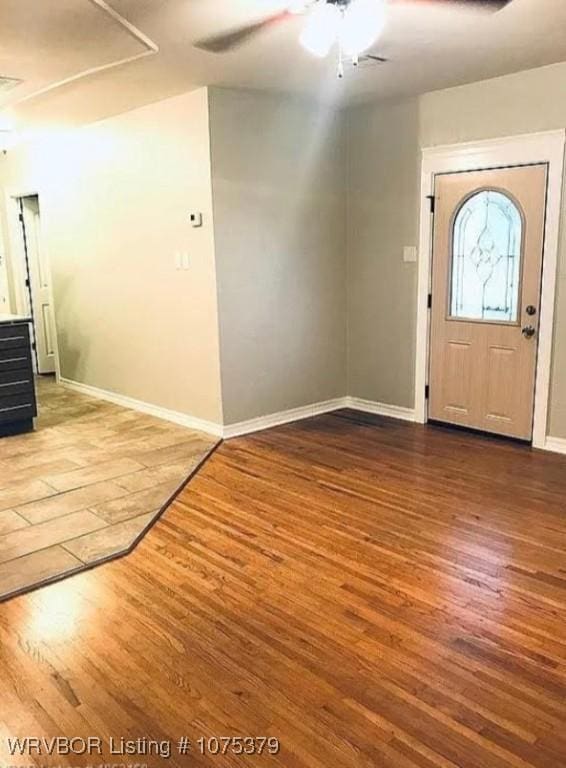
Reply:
x=84, y=486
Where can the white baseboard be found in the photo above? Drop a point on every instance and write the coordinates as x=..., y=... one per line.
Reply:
x=327, y=406
x=183, y=419
x=283, y=417
x=252, y=425
x=381, y=409
x=555, y=444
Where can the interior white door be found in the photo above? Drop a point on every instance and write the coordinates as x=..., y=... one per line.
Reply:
x=4, y=285
x=40, y=286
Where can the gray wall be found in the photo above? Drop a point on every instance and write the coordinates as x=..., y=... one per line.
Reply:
x=382, y=217
x=522, y=103
x=278, y=192
x=386, y=138
x=294, y=188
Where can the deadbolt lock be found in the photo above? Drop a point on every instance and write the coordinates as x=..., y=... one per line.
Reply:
x=531, y=310
x=529, y=332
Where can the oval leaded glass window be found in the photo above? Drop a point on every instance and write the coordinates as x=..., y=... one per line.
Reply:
x=486, y=258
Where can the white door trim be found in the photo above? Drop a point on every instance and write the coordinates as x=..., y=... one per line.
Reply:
x=533, y=148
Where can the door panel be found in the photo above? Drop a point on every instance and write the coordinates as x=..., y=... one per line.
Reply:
x=4, y=284
x=40, y=286
x=487, y=263
x=502, y=373
x=456, y=387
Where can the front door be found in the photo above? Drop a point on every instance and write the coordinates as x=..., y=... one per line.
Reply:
x=486, y=284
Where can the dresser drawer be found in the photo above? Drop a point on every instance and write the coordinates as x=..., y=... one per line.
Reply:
x=17, y=386
x=7, y=352
x=16, y=329
x=19, y=406
x=20, y=373
x=15, y=361
x=23, y=386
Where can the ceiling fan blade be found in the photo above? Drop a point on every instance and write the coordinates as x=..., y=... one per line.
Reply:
x=235, y=37
x=480, y=5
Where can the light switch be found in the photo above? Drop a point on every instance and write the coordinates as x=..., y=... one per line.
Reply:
x=195, y=219
x=409, y=253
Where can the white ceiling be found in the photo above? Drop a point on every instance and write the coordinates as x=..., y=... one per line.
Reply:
x=428, y=48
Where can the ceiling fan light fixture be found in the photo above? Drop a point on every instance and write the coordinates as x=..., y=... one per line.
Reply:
x=362, y=25
x=321, y=29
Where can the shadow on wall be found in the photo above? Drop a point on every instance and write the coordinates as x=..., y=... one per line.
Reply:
x=72, y=344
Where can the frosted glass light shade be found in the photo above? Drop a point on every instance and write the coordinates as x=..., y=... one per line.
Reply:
x=321, y=29
x=362, y=24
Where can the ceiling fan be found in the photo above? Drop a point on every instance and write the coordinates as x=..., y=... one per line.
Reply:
x=354, y=24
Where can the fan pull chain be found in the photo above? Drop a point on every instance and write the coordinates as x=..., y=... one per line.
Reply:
x=340, y=62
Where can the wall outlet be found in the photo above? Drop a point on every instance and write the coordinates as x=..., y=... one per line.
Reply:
x=185, y=260
x=409, y=254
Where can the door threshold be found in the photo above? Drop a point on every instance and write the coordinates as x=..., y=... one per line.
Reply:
x=479, y=432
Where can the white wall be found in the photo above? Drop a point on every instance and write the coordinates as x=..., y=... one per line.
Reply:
x=278, y=183
x=383, y=169
x=115, y=199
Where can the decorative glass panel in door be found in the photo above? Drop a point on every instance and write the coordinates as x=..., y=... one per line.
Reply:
x=486, y=258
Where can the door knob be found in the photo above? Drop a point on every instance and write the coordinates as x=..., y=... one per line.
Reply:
x=531, y=310
x=529, y=332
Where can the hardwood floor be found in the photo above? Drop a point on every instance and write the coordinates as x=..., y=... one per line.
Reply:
x=371, y=593
x=85, y=484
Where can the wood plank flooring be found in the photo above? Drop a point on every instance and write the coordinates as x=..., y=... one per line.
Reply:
x=371, y=593
x=85, y=484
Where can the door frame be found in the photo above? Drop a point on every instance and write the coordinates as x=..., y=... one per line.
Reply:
x=530, y=149
x=15, y=256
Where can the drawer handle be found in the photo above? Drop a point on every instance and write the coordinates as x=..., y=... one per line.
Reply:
x=13, y=360
x=15, y=408
x=14, y=383
x=13, y=338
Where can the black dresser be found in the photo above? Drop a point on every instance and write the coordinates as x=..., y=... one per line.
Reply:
x=18, y=405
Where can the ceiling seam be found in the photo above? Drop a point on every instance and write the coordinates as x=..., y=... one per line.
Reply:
x=151, y=49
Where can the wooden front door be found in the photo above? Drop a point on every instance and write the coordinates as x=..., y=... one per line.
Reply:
x=486, y=284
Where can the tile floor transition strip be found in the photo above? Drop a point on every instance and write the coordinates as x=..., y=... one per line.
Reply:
x=108, y=541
